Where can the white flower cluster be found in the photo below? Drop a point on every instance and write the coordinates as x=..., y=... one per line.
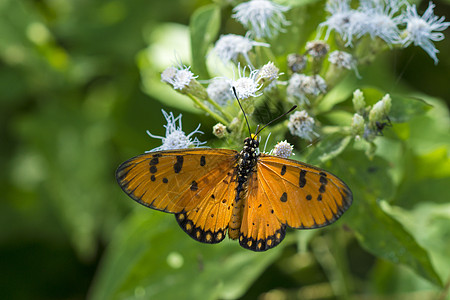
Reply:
x=263, y=18
x=282, y=149
x=301, y=86
x=228, y=48
x=302, y=125
x=387, y=20
x=175, y=137
x=390, y=22
x=179, y=78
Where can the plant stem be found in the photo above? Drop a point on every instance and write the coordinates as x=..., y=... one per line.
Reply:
x=220, y=109
x=205, y=108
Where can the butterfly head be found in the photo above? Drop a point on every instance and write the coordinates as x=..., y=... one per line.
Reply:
x=252, y=141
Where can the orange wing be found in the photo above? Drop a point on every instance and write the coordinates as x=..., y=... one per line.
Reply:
x=285, y=192
x=197, y=185
x=301, y=195
x=260, y=227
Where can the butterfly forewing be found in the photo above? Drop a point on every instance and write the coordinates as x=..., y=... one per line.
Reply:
x=301, y=195
x=175, y=181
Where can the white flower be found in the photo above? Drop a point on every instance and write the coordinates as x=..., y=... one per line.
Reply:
x=268, y=75
x=179, y=78
x=422, y=30
x=228, y=47
x=343, y=60
x=294, y=90
x=282, y=149
x=317, y=49
x=175, y=137
x=342, y=20
x=380, y=21
x=296, y=62
x=269, y=72
x=262, y=17
x=302, y=125
x=219, y=90
x=168, y=75
x=314, y=85
x=301, y=85
x=247, y=87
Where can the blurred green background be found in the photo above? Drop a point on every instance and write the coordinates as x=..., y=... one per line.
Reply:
x=74, y=106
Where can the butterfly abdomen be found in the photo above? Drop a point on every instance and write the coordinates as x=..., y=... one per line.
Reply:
x=246, y=166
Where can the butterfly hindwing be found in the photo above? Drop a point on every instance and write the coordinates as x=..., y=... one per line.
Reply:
x=301, y=195
x=208, y=220
x=260, y=228
x=175, y=181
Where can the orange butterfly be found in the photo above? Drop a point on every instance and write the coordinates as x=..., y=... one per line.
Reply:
x=253, y=197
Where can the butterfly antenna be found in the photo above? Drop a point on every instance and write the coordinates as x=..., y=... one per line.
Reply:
x=245, y=116
x=289, y=111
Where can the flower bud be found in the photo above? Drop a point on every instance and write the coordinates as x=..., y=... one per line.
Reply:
x=380, y=110
x=317, y=49
x=220, y=130
x=357, y=125
x=358, y=101
x=296, y=62
x=267, y=74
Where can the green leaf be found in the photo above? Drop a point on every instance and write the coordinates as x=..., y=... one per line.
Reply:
x=385, y=237
x=340, y=93
x=165, y=40
x=431, y=130
x=378, y=232
x=430, y=225
x=152, y=258
x=403, y=107
x=328, y=148
x=204, y=27
x=426, y=179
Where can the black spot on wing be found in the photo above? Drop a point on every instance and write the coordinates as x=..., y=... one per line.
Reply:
x=197, y=233
x=283, y=170
x=283, y=197
x=194, y=186
x=153, y=169
x=202, y=160
x=302, y=178
x=259, y=245
x=323, y=180
x=154, y=161
x=179, y=164
x=322, y=189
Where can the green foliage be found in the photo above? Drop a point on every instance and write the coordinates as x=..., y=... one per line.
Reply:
x=203, y=272
x=204, y=26
x=81, y=85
